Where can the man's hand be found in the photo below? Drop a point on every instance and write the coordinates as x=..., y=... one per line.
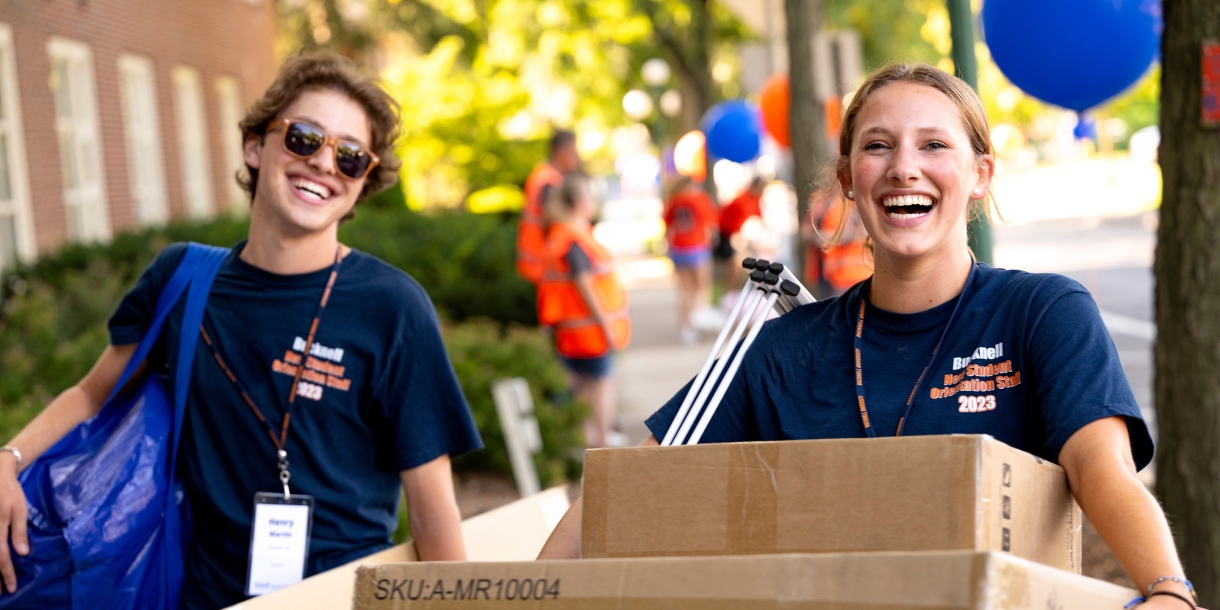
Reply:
x=73, y=406
x=13, y=516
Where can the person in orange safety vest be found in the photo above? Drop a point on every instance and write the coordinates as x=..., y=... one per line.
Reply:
x=845, y=258
x=581, y=298
x=539, y=191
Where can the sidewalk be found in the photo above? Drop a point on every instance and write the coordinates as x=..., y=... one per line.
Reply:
x=657, y=364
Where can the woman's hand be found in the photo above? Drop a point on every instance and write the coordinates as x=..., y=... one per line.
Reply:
x=12, y=520
x=1101, y=472
x=1164, y=602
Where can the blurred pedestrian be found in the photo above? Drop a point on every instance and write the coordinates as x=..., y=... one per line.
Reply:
x=690, y=218
x=540, y=188
x=729, y=246
x=841, y=242
x=581, y=297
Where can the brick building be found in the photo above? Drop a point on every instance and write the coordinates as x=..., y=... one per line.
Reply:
x=121, y=113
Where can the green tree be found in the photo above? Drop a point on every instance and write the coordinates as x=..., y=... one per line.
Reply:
x=483, y=83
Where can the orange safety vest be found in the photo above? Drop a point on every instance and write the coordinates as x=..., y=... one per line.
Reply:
x=845, y=264
x=531, y=229
x=577, y=332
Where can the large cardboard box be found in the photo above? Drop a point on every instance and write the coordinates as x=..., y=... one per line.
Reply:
x=920, y=493
x=936, y=580
x=514, y=532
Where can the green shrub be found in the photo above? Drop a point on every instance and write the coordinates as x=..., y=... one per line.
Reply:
x=465, y=261
x=483, y=351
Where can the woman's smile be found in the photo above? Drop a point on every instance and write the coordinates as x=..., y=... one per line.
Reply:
x=912, y=170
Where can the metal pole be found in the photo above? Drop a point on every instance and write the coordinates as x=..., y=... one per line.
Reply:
x=961, y=28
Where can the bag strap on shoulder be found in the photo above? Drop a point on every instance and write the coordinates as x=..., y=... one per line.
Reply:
x=173, y=290
x=211, y=258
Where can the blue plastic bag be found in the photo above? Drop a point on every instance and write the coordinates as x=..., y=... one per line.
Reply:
x=106, y=510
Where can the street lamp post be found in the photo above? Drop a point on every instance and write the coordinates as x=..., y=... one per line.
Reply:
x=961, y=31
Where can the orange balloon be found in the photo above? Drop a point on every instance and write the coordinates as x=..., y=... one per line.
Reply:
x=774, y=99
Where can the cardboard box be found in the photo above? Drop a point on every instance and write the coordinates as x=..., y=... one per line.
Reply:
x=920, y=493
x=514, y=532
x=958, y=580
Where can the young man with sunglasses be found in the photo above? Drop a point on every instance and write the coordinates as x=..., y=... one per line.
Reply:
x=296, y=323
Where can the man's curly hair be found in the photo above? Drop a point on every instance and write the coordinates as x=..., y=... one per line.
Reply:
x=319, y=69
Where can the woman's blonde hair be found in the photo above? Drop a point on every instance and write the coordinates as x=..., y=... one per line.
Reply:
x=968, y=104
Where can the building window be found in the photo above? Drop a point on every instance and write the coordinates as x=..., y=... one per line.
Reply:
x=16, y=227
x=145, y=175
x=229, y=99
x=193, y=150
x=80, y=153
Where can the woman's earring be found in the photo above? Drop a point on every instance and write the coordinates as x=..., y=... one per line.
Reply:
x=851, y=195
x=978, y=193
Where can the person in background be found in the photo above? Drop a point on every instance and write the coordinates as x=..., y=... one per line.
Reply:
x=835, y=229
x=580, y=296
x=539, y=195
x=732, y=217
x=390, y=412
x=690, y=218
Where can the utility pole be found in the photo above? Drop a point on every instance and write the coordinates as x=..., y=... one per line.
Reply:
x=961, y=28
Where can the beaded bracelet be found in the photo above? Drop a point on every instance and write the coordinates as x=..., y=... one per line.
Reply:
x=1181, y=581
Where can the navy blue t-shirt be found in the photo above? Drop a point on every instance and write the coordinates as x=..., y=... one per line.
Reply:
x=1027, y=360
x=380, y=397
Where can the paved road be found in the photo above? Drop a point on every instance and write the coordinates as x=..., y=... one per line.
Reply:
x=1111, y=258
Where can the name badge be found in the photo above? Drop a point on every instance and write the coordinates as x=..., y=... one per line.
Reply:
x=279, y=541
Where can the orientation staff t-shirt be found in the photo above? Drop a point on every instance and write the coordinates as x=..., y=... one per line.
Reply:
x=377, y=396
x=1027, y=360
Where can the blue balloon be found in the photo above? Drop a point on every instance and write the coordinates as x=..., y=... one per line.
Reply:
x=733, y=130
x=1072, y=53
x=1086, y=128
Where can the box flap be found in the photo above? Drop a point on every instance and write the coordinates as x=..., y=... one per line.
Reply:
x=513, y=532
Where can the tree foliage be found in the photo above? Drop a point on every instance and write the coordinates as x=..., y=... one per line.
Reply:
x=484, y=83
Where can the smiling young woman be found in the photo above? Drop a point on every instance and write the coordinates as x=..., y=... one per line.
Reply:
x=935, y=343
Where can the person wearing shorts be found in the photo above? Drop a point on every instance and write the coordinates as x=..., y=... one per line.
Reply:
x=690, y=217
x=580, y=297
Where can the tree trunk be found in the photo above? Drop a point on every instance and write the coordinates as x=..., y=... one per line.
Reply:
x=690, y=55
x=1187, y=268
x=807, y=121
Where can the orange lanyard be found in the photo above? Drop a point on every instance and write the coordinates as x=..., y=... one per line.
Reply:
x=859, y=344
x=282, y=440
